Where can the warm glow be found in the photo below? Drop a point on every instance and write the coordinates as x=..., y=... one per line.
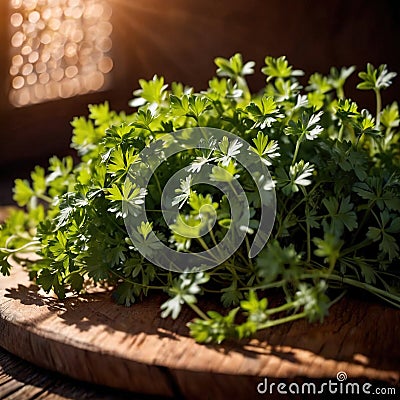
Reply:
x=59, y=48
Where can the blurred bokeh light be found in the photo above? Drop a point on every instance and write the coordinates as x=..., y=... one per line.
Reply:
x=59, y=49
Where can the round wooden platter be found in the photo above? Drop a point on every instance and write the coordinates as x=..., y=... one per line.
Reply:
x=93, y=339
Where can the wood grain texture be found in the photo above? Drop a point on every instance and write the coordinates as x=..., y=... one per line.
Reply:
x=91, y=338
x=20, y=380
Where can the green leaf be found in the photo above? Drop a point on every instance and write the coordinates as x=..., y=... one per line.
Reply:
x=265, y=148
x=314, y=300
x=300, y=172
x=216, y=329
x=97, y=269
x=198, y=105
x=51, y=280
x=329, y=247
x=390, y=116
x=38, y=180
x=200, y=204
x=120, y=162
x=307, y=125
x=85, y=136
x=143, y=119
x=319, y=83
x=153, y=91
x=5, y=267
x=23, y=192
x=255, y=309
x=145, y=228
x=375, y=79
x=279, y=68
x=374, y=190
x=234, y=67
x=100, y=113
x=231, y=295
x=341, y=216
x=76, y=280
x=264, y=111
x=275, y=261
x=180, y=106
x=389, y=246
x=223, y=173
x=346, y=110
x=125, y=294
x=337, y=78
x=172, y=307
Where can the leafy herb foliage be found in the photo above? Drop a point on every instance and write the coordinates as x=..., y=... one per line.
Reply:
x=336, y=172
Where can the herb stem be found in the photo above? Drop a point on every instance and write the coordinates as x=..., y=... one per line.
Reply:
x=308, y=228
x=283, y=320
x=387, y=296
x=24, y=247
x=248, y=249
x=378, y=107
x=45, y=198
x=362, y=223
x=296, y=150
x=158, y=183
x=279, y=309
x=213, y=237
x=341, y=130
x=358, y=246
x=203, y=243
x=136, y=283
x=197, y=310
x=340, y=92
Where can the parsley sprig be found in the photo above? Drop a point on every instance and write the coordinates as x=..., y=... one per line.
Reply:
x=335, y=169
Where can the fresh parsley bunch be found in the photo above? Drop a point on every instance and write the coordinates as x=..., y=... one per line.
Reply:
x=335, y=169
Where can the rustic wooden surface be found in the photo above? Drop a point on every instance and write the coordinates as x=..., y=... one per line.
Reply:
x=20, y=380
x=93, y=339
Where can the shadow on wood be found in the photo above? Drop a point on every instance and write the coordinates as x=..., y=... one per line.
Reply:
x=91, y=338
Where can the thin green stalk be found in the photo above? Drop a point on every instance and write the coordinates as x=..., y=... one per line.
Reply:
x=340, y=92
x=283, y=320
x=388, y=137
x=24, y=247
x=158, y=183
x=248, y=249
x=336, y=299
x=197, y=310
x=45, y=198
x=308, y=228
x=363, y=221
x=355, y=283
x=272, y=285
x=203, y=243
x=341, y=130
x=378, y=107
x=284, y=307
x=137, y=283
x=213, y=237
x=243, y=258
x=296, y=150
x=358, y=246
x=215, y=241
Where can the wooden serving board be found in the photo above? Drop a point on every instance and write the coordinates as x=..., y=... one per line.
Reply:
x=93, y=339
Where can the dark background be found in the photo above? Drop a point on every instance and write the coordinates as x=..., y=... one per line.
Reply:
x=180, y=38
